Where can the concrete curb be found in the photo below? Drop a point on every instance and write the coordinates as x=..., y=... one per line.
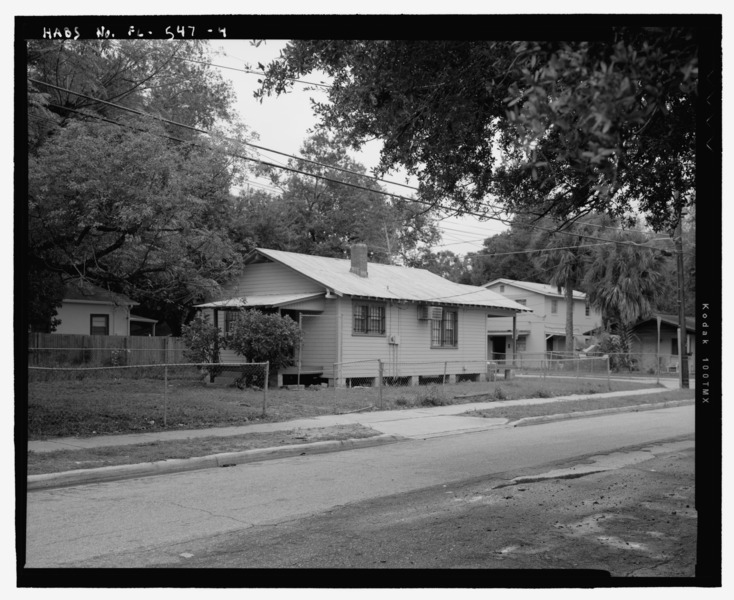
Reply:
x=227, y=459
x=592, y=413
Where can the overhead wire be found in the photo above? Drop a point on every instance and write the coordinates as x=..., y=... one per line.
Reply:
x=314, y=175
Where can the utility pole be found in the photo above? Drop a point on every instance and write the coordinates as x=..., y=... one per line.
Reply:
x=683, y=335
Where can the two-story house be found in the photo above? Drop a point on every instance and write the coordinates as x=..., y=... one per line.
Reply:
x=544, y=329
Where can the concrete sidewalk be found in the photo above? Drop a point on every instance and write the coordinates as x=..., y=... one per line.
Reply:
x=393, y=426
x=414, y=423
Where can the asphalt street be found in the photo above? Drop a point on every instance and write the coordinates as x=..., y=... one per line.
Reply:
x=631, y=514
x=136, y=522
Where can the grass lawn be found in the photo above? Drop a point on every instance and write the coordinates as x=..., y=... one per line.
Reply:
x=84, y=407
x=571, y=406
x=70, y=460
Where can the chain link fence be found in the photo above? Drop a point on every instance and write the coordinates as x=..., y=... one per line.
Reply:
x=94, y=400
x=646, y=364
x=386, y=384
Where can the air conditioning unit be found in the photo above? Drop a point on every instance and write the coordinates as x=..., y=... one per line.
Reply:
x=393, y=339
x=429, y=313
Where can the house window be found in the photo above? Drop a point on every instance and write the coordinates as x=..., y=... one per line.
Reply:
x=99, y=325
x=230, y=319
x=522, y=343
x=587, y=309
x=368, y=318
x=445, y=331
x=522, y=301
x=502, y=289
x=554, y=305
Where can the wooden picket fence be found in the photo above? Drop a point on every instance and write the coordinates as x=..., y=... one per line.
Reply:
x=53, y=349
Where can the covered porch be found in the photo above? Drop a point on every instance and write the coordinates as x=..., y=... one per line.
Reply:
x=305, y=309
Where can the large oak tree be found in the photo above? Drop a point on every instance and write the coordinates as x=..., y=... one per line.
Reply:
x=593, y=125
x=127, y=200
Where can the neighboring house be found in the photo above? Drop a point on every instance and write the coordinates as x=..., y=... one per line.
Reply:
x=543, y=330
x=90, y=310
x=644, y=346
x=352, y=310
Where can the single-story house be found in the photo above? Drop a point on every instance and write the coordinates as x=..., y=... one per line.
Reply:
x=91, y=310
x=544, y=329
x=645, y=340
x=418, y=323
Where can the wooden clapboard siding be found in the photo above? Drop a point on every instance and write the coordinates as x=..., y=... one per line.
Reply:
x=268, y=278
x=413, y=355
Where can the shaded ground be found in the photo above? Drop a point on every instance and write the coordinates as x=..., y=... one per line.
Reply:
x=634, y=521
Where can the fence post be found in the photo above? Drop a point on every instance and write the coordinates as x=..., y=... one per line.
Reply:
x=165, y=396
x=578, y=366
x=265, y=387
x=336, y=385
x=609, y=379
x=379, y=379
x=443, y=384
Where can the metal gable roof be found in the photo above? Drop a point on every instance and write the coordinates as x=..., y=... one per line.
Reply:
x=260, y=300
x=388, y=282
x=540, y=288
x=83, y=291
x=669, y=320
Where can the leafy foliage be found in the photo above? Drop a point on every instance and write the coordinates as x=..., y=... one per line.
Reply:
x=203, y=340
x=617, y=346
x=128, y=203
x=444, y=263
x=625, y=281
x=506, y=255
x=582, y=125
x=263, y=337
x=324, y=218
x=44, y=296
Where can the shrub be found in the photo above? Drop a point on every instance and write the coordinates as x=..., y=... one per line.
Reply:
x=203, y=340
x=499, y=393
x=432, y=397
x=265, y=338
x=618, y=349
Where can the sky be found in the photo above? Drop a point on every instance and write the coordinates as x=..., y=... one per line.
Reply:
x=283, y=123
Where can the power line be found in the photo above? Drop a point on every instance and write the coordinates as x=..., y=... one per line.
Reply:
x=316, y=176
x=250, y=72
x=203, y=131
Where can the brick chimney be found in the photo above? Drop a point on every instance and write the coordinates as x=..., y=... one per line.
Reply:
x=359, y=260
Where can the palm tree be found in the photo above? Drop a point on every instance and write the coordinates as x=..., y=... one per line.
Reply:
x=624, y=281
x=563, y=257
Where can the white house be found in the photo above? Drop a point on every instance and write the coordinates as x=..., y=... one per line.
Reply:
x=416, y=322
x=655, y=343
x=90, y=310
x=544, y=329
